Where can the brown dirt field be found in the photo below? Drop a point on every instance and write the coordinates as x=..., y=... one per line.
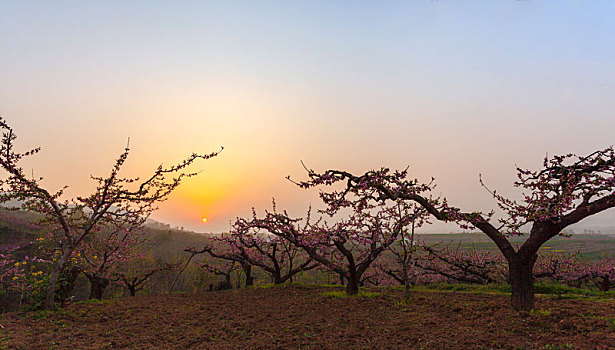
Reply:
x=296, y=317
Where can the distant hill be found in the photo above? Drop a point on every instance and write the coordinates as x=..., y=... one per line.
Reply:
x=158, y=225
x=18, y=227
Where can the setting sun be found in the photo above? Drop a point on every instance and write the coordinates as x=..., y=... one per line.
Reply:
x=204, y=220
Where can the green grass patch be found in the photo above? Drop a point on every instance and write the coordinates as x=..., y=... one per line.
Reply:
x=465, y=288
x=95, y=301
x=342, y=294
x=540, y=312
x=40, y=314
x=177, y=292
x=562, y=291
x=267, y=285
x=553, y=290
x=297, y=284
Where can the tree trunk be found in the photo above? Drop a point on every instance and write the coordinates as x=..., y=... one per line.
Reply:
x=521, y=281
x=97, y=287
x=406, y=282
x=132, y=290
x=407, y=257
x=227, y=281
x=249, y=280
x=247, y=269
x=605, y=284
x=53, y=280
x=352, y=288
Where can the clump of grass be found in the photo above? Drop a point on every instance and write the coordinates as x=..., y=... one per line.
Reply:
x=297, y=284
x=562, y=291
x=95, y=301
x=553, y=290
x=540, y=312
x=465, y=288
x=328, y=285
x=40, y=314
x=342, y=294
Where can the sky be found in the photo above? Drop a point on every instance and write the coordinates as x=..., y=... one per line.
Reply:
x=452, y=89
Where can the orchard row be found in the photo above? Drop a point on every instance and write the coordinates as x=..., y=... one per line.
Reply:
x=364, y=216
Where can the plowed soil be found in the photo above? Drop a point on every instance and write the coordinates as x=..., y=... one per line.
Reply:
x=303, y=318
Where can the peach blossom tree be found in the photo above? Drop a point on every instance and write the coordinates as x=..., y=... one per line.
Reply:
x=114, y=201
x=349, y=244
x=566, y=190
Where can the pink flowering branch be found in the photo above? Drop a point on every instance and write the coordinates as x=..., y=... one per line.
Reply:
x=462, y=265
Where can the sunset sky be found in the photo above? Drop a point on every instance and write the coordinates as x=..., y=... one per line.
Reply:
x=450, y=88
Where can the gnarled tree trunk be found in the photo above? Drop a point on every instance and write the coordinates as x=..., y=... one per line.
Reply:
x=521, y=280
x=247, y=269
x=352, y=288
x=97, y=286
